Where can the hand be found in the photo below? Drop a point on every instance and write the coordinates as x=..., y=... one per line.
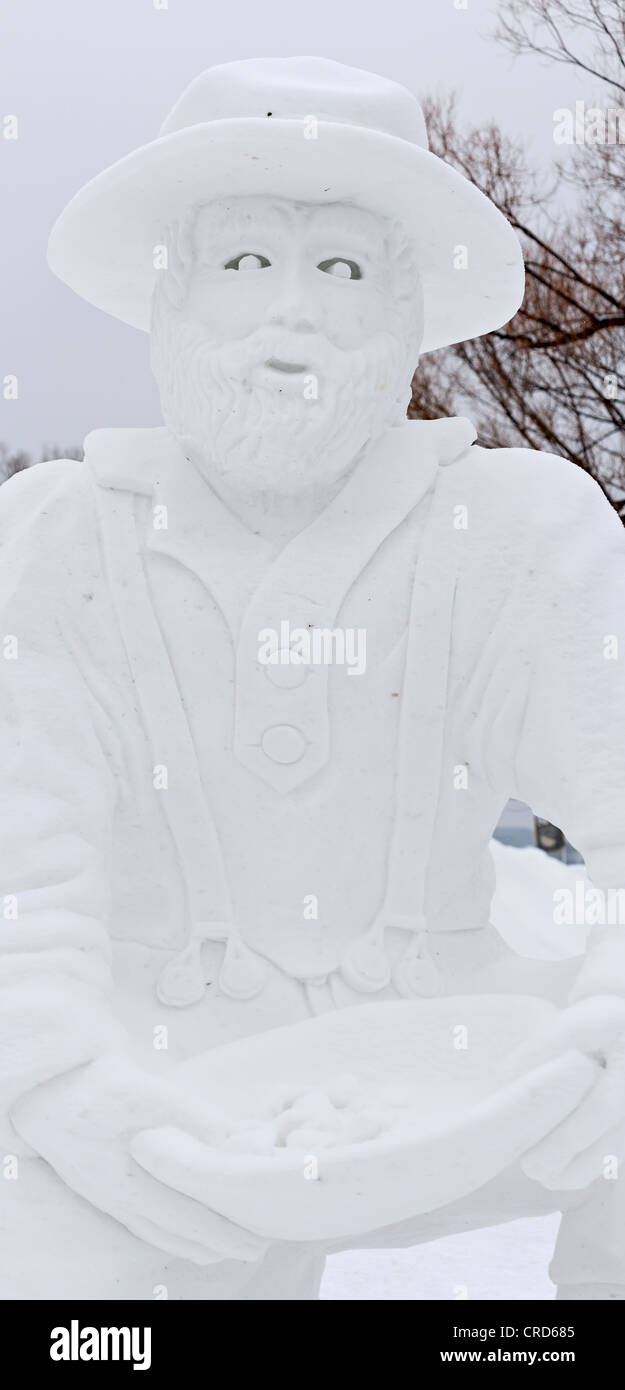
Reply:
x=573, y=1155
x=82, y=1123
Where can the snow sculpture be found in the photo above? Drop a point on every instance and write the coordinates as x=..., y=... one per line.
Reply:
x=279, y=665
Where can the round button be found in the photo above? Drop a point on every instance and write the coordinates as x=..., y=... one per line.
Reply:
x=283, y=743
x=287, y=676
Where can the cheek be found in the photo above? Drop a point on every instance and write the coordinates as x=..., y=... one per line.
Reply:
x=354, y=313
x=229, y=306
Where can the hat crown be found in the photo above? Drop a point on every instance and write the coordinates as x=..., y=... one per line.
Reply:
x=296, y=88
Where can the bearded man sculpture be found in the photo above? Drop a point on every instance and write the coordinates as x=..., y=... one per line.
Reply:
x=202, y=843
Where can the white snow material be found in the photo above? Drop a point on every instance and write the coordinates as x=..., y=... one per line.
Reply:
x=523, y=902
x=431, y=1114
x=368, y=147
x=500, y=1262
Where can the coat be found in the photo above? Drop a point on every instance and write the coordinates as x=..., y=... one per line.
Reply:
x=164, y=861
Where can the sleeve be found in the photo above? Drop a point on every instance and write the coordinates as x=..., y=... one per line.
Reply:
x=570, y=757
x=56, y=801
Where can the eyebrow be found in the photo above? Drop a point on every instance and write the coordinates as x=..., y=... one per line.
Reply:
x=345, y=217
x=234, y=221
x=343, y=221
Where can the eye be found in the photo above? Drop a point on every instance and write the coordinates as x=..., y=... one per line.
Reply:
x=338, y=265
x=248, y=260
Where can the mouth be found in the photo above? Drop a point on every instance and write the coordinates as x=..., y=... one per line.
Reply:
x=289, y=368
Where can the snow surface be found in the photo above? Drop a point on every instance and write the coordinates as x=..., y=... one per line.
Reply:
x=502, y=1262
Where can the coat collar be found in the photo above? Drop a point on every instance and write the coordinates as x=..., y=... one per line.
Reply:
x=133, y=460
x=190, y=524
x=202, y=534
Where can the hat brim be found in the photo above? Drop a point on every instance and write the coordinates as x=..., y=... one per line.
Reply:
x=102, y=245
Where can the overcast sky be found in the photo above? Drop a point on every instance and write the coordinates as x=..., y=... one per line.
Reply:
x=92, y=79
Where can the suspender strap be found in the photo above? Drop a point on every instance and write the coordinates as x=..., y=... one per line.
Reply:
x=365, y=964
x=184, y=798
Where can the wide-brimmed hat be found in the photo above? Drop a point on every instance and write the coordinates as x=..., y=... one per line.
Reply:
x=310, y=130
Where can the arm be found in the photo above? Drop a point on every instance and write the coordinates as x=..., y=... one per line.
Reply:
x=570, y=760
x=570, y=767
x=68, y=1083
x=56, y=806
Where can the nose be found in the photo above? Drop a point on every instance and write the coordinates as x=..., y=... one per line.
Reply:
x=289, y=317
x=292, y=307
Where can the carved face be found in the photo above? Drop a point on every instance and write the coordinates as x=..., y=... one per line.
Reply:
x=284, y=335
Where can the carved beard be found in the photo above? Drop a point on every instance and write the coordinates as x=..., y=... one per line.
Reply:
x=265, y=429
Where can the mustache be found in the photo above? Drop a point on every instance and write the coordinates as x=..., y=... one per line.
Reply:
x=313, y=351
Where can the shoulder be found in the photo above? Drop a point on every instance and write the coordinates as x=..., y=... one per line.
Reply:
x=533, y=480
x=531, y=483
x=533, y=493
x=43, y=493
x=49, y=532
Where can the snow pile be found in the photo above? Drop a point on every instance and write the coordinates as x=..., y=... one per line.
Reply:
x=523, y=903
